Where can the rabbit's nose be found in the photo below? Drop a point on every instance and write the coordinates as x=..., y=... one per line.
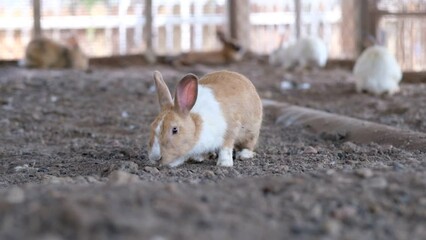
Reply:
x=155, y=161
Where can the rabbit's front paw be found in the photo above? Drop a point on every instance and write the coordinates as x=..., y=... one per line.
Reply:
x=225, y=158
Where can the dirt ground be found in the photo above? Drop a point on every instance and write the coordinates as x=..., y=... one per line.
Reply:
x=73, y=163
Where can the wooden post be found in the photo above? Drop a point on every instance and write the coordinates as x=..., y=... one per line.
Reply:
x=374, y=18
x=351, y=28
x=361, y=24
x=298, y=18
x=36, y=18
x=370, y=17
x=122, y=28
x=239, y=21
x=232, y=21
x=148, y=33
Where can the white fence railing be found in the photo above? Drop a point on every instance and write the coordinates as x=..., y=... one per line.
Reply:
x=178, y=25
x=275, y=19
x=311, y=25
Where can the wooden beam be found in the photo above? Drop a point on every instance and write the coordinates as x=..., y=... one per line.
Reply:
x=148, y=24
x=36, y=18
x=298, y=18
x=373, y=18
x=414, y=77
x=362, y=24
x=352, y=32
x=232, y=20
x=239, y=21
x=148, y=32
x=401, y=14
x=343, y=128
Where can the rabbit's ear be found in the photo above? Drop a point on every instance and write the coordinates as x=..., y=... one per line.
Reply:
x=163, y=92
x=221, y=36
x=72, y=41
x=186, y=94
x=369, y=41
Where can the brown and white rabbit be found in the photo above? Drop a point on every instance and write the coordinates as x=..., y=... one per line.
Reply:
x=43, y=52
x=219, y=112
x=231, y=52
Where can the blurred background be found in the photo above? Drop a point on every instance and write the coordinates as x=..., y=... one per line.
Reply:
x=113, y=27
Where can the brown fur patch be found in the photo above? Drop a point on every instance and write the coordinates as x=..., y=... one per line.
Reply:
x=241, y=106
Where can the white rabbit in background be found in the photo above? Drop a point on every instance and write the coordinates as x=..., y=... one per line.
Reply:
x=377, y=71
x=306, y=52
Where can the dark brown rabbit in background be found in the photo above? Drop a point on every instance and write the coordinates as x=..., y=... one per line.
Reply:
x=42, y=52
x=231, y=51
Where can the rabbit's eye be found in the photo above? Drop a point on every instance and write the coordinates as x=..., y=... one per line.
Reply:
x=174, y=130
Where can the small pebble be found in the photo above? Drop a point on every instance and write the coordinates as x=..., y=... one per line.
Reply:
x=209, y=173
x=172, y=187
x=364, y=172
x=267, y=94
x=285, y=168
x=310, y=150
x=15, y=195
x=422, y=201
x=286, y=85
x=304, y=86
x=124, y=114
x=345, y=212
x=118, y=177
x=129, y=166
x=53, y=99
x=317, y=211
x=158, y=237
x=398, y=166
x=50, y=237
x=388, y=147
x=50, y=179
x=152, y=170
x=377, y=182
x=349, y=147
x=332, y=227
x=152, y=89
x=36, y=116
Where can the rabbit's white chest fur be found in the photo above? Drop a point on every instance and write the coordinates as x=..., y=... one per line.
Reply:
x=214, y=123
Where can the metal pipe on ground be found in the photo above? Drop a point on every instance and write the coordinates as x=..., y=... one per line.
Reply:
x=345, y=128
